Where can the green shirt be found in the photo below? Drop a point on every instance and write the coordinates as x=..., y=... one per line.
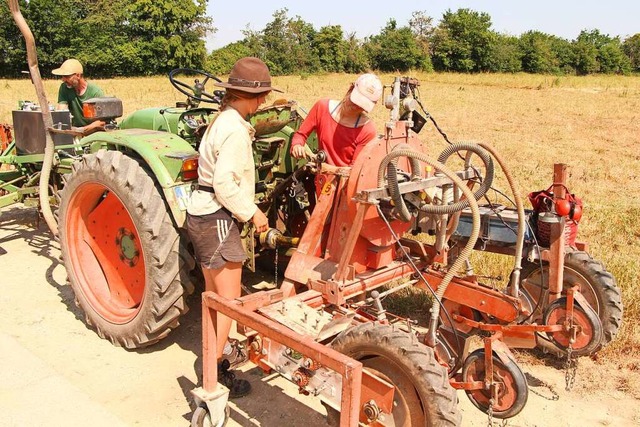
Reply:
x=74, y=101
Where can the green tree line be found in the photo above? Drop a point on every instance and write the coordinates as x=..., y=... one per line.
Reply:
x=146, y=37
x=110, y=37
x=462, y=41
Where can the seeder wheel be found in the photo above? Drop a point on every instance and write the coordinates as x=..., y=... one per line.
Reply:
x=588, y=333
x=596, y=285
x=512, y=390
x=423, y=396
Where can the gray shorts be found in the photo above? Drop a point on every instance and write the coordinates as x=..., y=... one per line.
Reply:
x=216, y=239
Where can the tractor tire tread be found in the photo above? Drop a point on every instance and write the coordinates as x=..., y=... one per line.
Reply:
x=612, y=296
x=167, y=257
x=390, y=341
x=610, y=307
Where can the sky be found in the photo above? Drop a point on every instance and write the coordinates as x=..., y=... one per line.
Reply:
x=563, y=18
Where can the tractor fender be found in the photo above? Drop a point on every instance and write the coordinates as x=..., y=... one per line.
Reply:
x=162, y=153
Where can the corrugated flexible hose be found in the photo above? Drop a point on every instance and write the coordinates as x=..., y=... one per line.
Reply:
x=392, y=178
x=473, y=237
x=486, y=160
x=515, y=277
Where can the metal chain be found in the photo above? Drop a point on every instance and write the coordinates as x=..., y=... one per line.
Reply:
x=490, y=413
x=490, y=422
x=276, y=260
x=571, y=368
x=552, y=390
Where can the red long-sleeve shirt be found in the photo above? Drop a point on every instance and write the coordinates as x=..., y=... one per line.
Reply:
x=341, y=143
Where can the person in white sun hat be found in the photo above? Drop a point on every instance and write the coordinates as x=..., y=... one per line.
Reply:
x=343, y=127
x=74, y=90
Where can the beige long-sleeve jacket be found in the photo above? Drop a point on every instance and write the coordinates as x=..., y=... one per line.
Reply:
x=226, y=164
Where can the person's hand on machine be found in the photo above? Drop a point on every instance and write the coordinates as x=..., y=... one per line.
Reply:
x=260, y=221
x=299, y=151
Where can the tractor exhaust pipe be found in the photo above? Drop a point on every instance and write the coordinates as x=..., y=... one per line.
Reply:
x=36, y=79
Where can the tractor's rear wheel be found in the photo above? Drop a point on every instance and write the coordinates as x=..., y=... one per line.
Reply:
x=596, y=284
x=124, y=257
x=423, y=396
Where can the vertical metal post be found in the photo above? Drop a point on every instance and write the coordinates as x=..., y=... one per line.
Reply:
x=557, y=249
x=351, y=389
x=392, y=102
x=209, y=345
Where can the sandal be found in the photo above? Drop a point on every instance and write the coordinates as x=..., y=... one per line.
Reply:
x=238, y=355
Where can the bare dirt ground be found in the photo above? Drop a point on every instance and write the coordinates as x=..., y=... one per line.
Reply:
x=55, y=371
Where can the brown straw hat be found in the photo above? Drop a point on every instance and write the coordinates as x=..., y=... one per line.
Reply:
x=249, y=75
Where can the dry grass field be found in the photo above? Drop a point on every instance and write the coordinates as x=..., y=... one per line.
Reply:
x=590, y=123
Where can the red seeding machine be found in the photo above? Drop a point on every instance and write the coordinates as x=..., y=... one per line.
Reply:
x=402, y=218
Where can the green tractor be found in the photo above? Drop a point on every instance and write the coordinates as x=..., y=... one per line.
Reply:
x=119, y=197
x=122, y=211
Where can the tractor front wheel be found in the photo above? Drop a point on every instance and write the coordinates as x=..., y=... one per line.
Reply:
x=423, y=396
x=123, y=254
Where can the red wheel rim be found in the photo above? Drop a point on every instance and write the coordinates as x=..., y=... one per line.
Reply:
x=560, y=316
x=507, y=392
x=401, y=411
x=105, y=252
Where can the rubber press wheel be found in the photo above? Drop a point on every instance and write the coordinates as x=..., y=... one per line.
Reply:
x=588, y=327
x=123, y=255
x=512, y=389
x=423, y=396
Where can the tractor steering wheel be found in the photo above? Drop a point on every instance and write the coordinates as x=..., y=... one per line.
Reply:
x=196, y=91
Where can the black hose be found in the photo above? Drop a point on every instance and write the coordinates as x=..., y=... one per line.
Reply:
x=392, y=181
x=484, y=156
x=394, y=192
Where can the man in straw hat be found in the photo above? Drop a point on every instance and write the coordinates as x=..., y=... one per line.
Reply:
x=225, y=194
x=74, y=90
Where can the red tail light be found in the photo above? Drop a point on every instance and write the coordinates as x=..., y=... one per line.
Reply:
x=189, y=170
